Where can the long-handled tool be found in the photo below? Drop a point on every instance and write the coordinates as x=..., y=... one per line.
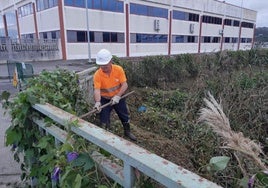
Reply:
x=103, y=106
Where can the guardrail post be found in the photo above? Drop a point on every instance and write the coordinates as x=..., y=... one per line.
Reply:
x=57, y=142
x=129, y=175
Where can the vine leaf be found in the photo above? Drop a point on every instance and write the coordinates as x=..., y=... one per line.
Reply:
x=219, y=162
x=83, y=160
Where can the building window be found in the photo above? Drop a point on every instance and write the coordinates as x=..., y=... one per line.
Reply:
x=105, y=5
x=106, y=37
x=81, y=36
x=95, y=36
x=55, y=35
x=27, y=36
x=45, y=35
x=45, y=4
x=234, y=40
x=227, y=39
x=247, y=25
x=148, y=10
x=25, y=10
x=184, y=39
x=178, y=39
x=11, y=25
x=76, y=36
x=206, y=39
x=191, y=39
x=96, y=4
x=215, y=39
x=193, y=17
x=91, y=36
x=147, y=38
x=236, y=23
x=212, y=20
x=227, y=22
x=114, y=37
x=180, y=15
x=246, y=40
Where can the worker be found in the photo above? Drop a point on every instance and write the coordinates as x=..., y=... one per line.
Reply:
x=110, y=83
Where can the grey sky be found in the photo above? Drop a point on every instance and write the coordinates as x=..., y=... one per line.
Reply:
x=261, y=6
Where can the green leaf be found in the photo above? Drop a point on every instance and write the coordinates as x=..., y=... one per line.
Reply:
x=66, y=147
x=263, y=178
x=5, y=95
x=83, y=160
x=243, y=183
x=45, y=157
x=102, y=186
x=43, y=142
x=59, y=84
x=219, y=162
x=12, y=136
x=77, y=181
x=29, y=154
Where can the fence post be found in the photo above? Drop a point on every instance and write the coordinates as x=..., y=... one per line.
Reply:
x=129, y=176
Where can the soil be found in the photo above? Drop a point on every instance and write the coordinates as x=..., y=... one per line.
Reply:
x=170, y=149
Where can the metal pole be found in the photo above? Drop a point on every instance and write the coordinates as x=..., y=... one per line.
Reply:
x=88, y=36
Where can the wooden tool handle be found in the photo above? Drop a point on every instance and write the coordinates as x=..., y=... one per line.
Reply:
x=107, y=104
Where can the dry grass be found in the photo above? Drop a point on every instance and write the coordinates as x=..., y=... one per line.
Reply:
x=214, y=116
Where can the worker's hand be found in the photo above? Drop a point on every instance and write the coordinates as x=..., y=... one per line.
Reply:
x=115, y=99
x=97, y=107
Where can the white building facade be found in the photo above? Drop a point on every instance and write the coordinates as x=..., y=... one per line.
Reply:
x=130, y=27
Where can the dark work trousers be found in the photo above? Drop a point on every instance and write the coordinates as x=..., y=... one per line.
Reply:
x=120, y=109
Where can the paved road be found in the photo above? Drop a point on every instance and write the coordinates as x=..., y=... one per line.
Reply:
x=9, y=169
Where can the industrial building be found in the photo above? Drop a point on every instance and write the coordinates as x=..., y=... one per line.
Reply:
x=129, y=28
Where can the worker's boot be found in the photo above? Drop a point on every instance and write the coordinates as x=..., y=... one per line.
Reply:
x=128, y=133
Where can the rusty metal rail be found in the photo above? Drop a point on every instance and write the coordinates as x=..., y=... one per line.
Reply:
x=133, y=156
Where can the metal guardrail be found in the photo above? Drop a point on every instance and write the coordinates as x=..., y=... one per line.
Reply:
x=133, y=156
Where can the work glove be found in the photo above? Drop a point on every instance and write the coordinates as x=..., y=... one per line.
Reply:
x=97, y=107
x=115, y=99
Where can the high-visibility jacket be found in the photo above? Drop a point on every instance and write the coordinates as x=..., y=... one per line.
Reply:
x=109, y=85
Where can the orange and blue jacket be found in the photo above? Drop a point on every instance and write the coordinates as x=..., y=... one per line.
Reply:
x=109, y=85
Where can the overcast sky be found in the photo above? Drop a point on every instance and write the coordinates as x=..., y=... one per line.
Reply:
x=261, y=6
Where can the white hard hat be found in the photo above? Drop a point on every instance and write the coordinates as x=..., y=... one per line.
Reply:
x=103, y=57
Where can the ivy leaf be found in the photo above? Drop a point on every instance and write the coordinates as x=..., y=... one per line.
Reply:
x=243, y=183
x=263, y=178
x=219, y=162
x=5, y=95
x=102, y=186
x=59, y=84
x=83, y=160
x=66, y=147
x=46, y=157
x=77, y=181
x=12, y=136
x=43, y=142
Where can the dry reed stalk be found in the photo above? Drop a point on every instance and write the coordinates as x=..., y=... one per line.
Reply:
x=214, y=116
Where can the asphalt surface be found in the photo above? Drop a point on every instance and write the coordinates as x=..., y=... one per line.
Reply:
x=9, y=169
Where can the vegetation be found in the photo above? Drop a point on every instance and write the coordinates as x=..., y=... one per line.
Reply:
x=42, y=161
x=261, y=34
x=175, y=96
x=168, y=117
